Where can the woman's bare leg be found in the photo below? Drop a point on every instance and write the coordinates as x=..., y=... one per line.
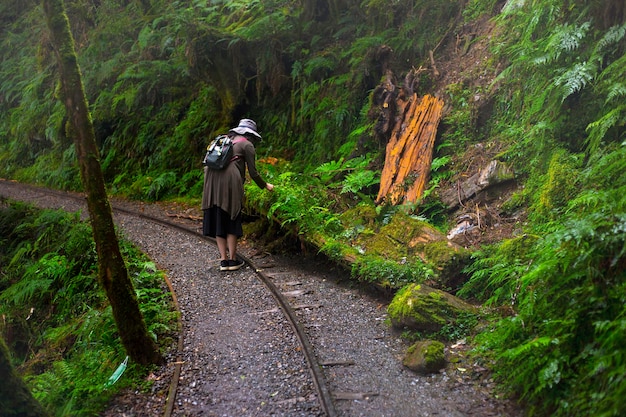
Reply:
x=222, y=247
x=231, y=241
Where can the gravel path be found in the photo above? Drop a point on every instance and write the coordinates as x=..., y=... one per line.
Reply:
x=240, y=357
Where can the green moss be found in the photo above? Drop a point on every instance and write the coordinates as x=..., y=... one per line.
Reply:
x=518, y=247
x=338, y=251
x=449, y=262
x=517, y=201
x=414, y=308
x=421, y=308
x=387, y=273
x=425, y=356
x=434, y=353
x=560, y=185
x=434, y=295
x=396, y=239
x=361, y=215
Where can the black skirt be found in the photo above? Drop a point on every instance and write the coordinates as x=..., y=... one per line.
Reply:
x=217, y=223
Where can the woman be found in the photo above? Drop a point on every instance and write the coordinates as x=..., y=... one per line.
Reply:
x=222, y=195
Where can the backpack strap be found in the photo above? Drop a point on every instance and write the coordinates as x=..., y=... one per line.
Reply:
x=239, y=139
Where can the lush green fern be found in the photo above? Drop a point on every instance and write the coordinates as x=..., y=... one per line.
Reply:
x=59, y=323
x=356, y=181
x=329, y=170
x=567, y=294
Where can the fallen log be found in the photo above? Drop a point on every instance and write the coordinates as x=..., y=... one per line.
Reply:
x=494, y=173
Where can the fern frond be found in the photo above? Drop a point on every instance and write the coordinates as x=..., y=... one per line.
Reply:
x=162, y=184
x=598, y=129
x=25, y=290
x=439, y=162
x=612, y=36
x=570, y=38
x=358, y=180
x=319, y=64
x=575, y=79
x=328, y=170
x=64, y=370
x=616, y=92
x=531, y=346
x=21, y=254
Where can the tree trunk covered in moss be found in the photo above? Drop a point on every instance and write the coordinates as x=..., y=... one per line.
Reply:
x=15, y=398
x=112, y=271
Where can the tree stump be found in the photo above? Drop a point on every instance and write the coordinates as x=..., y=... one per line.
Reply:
x=410, y=150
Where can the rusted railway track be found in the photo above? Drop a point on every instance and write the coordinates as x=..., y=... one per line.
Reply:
x=314, y=368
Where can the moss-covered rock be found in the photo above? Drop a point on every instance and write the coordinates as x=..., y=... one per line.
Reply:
x=405, y=241
x=399, y=238
x=419, y=307
x=448, y=261
x=425, y=357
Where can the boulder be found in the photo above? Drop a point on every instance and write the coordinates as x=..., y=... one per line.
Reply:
x=419, y=307
x=406, y=239
x=425, y=357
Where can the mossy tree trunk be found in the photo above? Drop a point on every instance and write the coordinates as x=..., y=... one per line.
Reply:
x=112, y=272
x=15, y=398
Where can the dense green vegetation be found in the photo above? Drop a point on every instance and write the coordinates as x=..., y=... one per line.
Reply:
x=561, y=111
x=163, y=77
x=56, y=318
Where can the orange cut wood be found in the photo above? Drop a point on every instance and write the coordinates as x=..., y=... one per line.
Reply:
x=409, y=152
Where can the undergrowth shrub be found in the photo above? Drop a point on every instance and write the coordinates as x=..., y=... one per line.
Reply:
x=57, y=321
x=299, y=202
x=562, y=350
x=309, y=205
x=490, y=280
x=563, y=84
x=558, y=187
x=388, y=273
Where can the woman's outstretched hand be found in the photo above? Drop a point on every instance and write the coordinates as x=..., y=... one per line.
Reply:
x=269, y=186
